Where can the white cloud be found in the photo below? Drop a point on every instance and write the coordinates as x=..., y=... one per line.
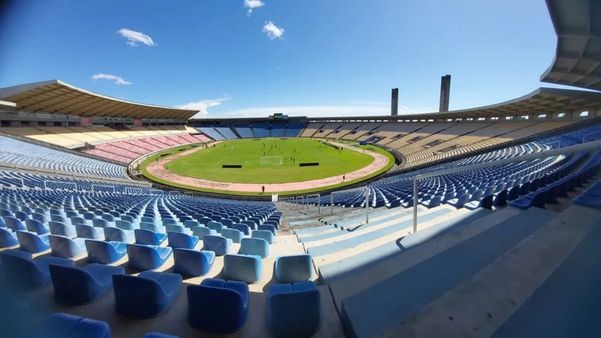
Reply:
x=372, y=109
x=252, y=4
x=273, y=31
x=203, y=105
x=117, y=79
x=134, y=38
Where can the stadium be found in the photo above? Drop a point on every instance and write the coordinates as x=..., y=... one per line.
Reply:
x=126, y=219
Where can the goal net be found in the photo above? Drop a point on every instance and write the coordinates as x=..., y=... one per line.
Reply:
x=271, y=161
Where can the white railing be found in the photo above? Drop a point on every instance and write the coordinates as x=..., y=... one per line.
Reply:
x=596, y=145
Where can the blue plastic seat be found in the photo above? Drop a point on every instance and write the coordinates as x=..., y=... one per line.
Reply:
x=244, y=228
x=243, y=268
x=179, y=240
x=201, y=231
x=146, y=295
x=62, y=229
x=119, y=235
x=267, y=227
x=191, y=224
x=294, y=310
x=37, y=227
x=124, y=225
x=7, y=238
x=65, y=247
x=105, y=252
x=14, y=223
x=218, y=306
x=77, y=286
x=62, y=325
x=233, y=234
x=254, y=246
x=32, y=242
x=293, y=268
x=25, y=273
x=217, y=244
x=192, y=263
x=153, y=227
x=88, y=231
x=100, y=223
x=148, y=237
x=263, y=234
x=217, y=226
x=147, y=257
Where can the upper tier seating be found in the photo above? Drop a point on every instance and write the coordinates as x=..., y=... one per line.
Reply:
x=16, y=152
x=76, y=136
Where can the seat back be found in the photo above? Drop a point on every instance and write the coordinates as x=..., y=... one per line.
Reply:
x=138, y=297
x=254, y=246
x=181, y=240
x=295, y=312
x=7, y=238
x=65, y=247
x=227, y=312
x=31, y=242
x=244, y=228
x=21, y=271
x=72, y=285
x=217, y=244
x=234, y=234
x=294, y=268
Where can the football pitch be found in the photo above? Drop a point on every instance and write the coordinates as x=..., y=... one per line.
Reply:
x=268, y=160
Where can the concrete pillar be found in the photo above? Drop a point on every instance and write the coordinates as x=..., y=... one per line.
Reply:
x=445, y=91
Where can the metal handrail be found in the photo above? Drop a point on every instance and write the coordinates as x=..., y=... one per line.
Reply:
x=595, y=145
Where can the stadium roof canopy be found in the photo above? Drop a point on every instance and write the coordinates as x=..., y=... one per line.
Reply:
x=57, y=97
x=578, y=57
x=542, y=100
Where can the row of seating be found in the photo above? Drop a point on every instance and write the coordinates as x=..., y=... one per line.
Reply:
x=216, y=305
x=17, y=152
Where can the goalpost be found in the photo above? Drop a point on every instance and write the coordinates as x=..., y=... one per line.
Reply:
x=271, y=161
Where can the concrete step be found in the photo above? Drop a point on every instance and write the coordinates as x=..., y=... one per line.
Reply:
x=395, y=299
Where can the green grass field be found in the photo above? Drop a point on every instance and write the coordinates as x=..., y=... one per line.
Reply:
x=207, y=163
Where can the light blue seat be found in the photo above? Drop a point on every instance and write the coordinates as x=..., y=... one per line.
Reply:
x=244, y=228
x=79, y=220
x=119, y=235
x=39, y=217
x=32, y=242
x=254, y=246
x=7, y=238
x=153, y=227
x=100, y=223
x=191, y=224
x=58, y=228
x=62, y=325
x=14, y=223
x=179, y=240
x=148, y=237
x=233, y=234
x=87, y=231
x=294, y=268
x=124, y=225
x=178, y=228
x=192, y=263
x=146, y=295
x=201, y=231
x=217, y=226
x=243, y=268
x=219, y=245
x=25, y=273
x=268, y=228
x=263, y=234
x=218, y=306
x=21, y=215
x=105, y=252
x=294, y=310
x=36, y=226
x=147, y=257
x=65, y=247
x=77, y=286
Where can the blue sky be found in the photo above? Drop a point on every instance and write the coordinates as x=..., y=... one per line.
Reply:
x=311, y=57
